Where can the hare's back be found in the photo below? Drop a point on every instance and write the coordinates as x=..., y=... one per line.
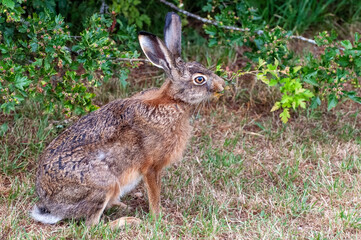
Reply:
x=97, y=140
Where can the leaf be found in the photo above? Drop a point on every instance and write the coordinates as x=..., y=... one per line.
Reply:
x=271, y=67
x=8, y=107
x=273, y=82
x=9, y=3
x=308, y=94
x=261, y=62
x=34, y=46
x=296, y=69
x=343, y=61
x=286, y=99
x=276, y=106
x=315, y=102
x=332, y=102
x=311, y=79
x=38, y=62
x=21, y=81
x=276, y=62
x=352, y=95
x=262, y=77
x=346, y=44
x=4, y=49
x=285, y=115
x=357, y=36
x=302, y=104
x=358, y=62
x=3, y=129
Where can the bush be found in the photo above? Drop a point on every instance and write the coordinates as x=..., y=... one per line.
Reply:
x=43, y=62
x=333, y=76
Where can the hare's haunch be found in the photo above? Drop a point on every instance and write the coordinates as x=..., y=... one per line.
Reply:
x=103, y=156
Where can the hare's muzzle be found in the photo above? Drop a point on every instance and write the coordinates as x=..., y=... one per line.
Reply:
x=218, y=84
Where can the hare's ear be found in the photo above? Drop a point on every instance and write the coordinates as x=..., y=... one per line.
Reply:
x=156, y=51
x=173, y=33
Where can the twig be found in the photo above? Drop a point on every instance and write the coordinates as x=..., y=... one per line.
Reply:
x=200, y=18
x=103, y=8
x=259, y=32
x=132, y=59
x=304, y=39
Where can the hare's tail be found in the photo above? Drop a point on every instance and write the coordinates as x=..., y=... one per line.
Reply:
x=42, y=215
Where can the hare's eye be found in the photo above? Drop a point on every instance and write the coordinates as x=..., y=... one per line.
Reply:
x=199, y=80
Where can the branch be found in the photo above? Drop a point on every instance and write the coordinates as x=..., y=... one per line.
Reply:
x=132, y=59
x=103, y=8
x=200, y=18
x=259, y=32
x=304, y=39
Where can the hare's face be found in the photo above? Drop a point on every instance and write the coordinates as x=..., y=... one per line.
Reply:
x=195, y=83
x=191, y=82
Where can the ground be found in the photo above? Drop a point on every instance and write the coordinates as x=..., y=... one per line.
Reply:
x=245, y=175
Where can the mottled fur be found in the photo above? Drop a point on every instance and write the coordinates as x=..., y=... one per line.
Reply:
x=93, y=163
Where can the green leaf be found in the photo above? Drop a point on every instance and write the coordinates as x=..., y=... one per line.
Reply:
x=21, y=81
x=276, y=106
x=273, y=82
x=3, y=129
x=358, y=62
x=357, y=36
x=308, y=94
x=38, y=62
x=352, y=95
x=261, y=62
x=311, y=79
x=4, y=49
x=262, y=77
x=343, y=61
x=296, y=69
x=346, y=44
x=9, y=3
x=285, y=115
x=34, y=46
x=302, y=104
x=271, y=67
x=332, y=102
x=8, y=107
x=315, y=102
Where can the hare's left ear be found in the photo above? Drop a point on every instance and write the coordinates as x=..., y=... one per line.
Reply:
x=158, y=53
x=173, y=33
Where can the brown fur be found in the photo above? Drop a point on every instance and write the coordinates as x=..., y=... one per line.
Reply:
x=93, y=163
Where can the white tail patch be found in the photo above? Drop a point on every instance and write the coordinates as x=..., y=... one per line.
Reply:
x=46, y=218
x=129, y=186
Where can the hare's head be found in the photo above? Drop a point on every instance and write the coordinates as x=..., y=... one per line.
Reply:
x=191, y=82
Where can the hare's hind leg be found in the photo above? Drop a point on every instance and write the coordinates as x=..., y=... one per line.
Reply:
x=121, y=222
x=118, y=203
x=95, y=217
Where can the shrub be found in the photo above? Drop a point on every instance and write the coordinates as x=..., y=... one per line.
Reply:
x=333, y=76
x=43, y=62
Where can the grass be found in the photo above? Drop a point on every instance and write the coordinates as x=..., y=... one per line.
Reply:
x=303, y=16
x=244, y=176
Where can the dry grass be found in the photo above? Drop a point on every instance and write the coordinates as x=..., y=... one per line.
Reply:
x=244, y=176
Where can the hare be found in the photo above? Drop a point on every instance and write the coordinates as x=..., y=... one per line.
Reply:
x=104, y=155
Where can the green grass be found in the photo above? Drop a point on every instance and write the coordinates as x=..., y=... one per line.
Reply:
x=244, y=176
x=302, y=16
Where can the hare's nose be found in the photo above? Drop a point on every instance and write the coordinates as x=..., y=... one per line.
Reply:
x=218, y=84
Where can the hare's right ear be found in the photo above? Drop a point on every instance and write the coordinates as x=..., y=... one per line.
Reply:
x=156, y=51
x=173, y=33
